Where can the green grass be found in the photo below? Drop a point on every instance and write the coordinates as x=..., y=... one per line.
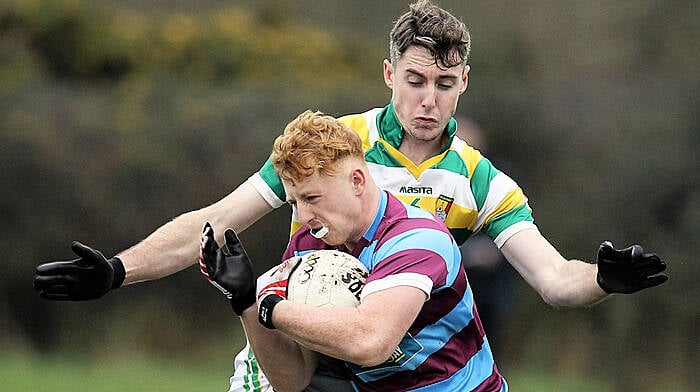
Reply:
x=537, y=381
x=25, y=372
x=64, y=374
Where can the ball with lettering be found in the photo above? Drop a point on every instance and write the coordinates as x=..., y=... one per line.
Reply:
x=327, y=278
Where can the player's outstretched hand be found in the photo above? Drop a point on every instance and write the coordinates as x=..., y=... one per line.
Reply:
x=228, y=268
x=628, y=270
x=90, y=276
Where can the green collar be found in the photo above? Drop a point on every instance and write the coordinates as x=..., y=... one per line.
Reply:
x=390, y=128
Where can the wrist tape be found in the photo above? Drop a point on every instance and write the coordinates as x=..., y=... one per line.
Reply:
x=265, y=310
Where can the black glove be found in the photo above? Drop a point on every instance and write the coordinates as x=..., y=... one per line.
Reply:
x=90, y=276
x=228, y=268
x=628, y=270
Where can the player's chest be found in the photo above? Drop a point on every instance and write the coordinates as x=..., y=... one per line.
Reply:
x=434, y=190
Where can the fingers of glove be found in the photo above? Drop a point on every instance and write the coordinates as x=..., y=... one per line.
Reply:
x=286, y=267
x=65, y=292
x=653, y=281
x=650, y=264
x=208, y=245
x=57, y=296
x=265, y=283
x=207, y=251
x=627, y=255
x=232, y=244
x=55, y=287
x=58, y=268
x=606, y=251
x=237, y=257
x=46, y=282
x=88, y=255
x=275, y=279
x=274, y=274
x=292, y=263
x=279, y=288
x=634, y=252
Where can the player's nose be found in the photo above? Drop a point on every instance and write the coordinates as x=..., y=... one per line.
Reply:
x=429, y=97
x=306, y=216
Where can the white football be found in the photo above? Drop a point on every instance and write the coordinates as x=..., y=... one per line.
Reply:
x=327, y=277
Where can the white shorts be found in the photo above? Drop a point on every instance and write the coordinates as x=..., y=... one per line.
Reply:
x=248, y=377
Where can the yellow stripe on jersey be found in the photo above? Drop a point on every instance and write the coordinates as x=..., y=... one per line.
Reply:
x=295, y=226
x=358, y=123
x=471, y=157
x=512, y=200
x=415, y=170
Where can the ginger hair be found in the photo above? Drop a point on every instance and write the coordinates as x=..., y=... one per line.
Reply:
x=314, y=142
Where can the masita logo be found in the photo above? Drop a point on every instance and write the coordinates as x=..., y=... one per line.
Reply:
x=416, y=190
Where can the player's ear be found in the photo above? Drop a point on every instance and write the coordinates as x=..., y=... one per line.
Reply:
x=388, y=74
x=465, y=78
x=358, y=179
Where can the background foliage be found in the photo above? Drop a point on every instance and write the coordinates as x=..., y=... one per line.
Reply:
x=117, y=116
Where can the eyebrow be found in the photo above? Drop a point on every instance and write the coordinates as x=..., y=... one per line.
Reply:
x=440, y=77
x=304, y=196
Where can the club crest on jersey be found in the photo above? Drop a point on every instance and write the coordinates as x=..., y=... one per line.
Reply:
x=442, y=206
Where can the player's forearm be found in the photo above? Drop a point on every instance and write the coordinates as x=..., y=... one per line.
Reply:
x=560, y=282
x=169, y=249
x=317, y=332
x=575, y=286
x=350, y=334
x=286, y=365
x=175, y=245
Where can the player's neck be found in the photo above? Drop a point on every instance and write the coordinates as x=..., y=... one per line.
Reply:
x=419, y=151
x=370, y=204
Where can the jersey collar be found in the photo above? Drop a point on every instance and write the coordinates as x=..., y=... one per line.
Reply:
x=391, y=130
x=371, y=231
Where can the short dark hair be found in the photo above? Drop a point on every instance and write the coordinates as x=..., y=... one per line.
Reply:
x=429, y=26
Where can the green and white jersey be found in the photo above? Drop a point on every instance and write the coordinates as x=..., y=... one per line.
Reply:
x=458, y=185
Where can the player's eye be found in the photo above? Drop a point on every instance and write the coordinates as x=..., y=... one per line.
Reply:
x=414, y=80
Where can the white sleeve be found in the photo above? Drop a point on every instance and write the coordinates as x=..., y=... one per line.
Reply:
x=512, y=230
x=265, y=191
x=419, y=281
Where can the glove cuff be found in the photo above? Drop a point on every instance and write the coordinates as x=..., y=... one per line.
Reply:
x=239, y=305
x=265, y=310
x=602, y=284
x=119, y=272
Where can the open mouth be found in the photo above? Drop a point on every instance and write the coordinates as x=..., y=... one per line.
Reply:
x=320, y=232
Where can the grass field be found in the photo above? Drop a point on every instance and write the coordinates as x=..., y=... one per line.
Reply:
x=64, y=374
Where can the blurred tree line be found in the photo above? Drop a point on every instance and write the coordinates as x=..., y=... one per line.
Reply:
x=116, y=117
